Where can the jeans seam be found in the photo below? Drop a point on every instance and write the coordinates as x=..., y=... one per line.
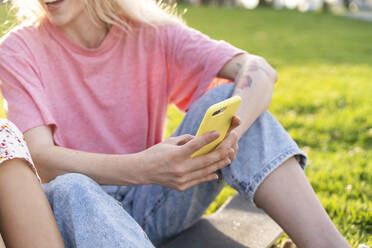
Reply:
x=156, y=205
x=116, y=194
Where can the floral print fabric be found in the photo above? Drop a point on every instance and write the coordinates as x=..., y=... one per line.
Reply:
x=13, y=145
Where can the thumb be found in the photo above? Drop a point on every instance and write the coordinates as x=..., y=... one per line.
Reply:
x=235, y=122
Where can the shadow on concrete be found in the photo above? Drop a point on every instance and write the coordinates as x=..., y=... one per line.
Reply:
x=203, y=235
x=237, y=224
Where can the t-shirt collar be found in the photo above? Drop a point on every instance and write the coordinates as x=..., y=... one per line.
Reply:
x=112, y=36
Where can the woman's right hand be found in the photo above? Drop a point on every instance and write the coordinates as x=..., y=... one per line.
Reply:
x=169, y=164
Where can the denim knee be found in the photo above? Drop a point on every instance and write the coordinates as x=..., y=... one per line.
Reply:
x=67, y=185
x=88, y=217
x=214, y=95
x=262, y=148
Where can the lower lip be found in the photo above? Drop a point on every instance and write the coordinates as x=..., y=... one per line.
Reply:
x=54, y=6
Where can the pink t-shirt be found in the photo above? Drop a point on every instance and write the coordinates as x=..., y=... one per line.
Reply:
x=112, y=99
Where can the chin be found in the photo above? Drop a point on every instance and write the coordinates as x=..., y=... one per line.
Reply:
x=60, y=19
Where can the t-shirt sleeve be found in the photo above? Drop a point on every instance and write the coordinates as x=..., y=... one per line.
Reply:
x=22, y=89
x=194, y=60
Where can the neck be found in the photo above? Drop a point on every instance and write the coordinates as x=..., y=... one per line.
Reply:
x=85, y=32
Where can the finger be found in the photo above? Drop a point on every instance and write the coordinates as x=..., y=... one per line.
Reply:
x=201, y=173
x=197, y=181
x=236, y=149
x=230, y=140
x=200, y=141
x=206, y=160
x=179, y=140
x=183, y=139
x=235, y=122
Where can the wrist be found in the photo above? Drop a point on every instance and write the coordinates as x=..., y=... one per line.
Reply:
x=139, y=168
x=121, y=170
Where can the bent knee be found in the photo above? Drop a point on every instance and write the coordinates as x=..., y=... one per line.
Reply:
x=218, y=93
x=212, y=96
x=67, y=184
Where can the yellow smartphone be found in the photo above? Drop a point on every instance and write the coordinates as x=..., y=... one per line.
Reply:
x=217, y=118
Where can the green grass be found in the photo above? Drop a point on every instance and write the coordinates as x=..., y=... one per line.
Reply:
x=322, y=98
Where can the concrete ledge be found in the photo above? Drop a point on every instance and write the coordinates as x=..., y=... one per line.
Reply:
x=235, y=225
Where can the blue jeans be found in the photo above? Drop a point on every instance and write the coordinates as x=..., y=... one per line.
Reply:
x=89, y=215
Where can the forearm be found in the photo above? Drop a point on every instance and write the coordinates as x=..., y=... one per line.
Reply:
x=249, y=110
x=105, y=169
x=254, y=79
x=26, y=219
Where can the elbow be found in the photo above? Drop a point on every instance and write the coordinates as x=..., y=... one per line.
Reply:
x=42, y=157
x=270, y=72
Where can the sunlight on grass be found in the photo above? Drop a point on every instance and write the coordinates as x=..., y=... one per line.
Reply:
x=322, y=98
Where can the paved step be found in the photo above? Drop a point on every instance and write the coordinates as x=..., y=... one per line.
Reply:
x=236, y=224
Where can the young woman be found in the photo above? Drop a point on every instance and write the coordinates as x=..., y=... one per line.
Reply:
x=89, y=82
x=26, y=219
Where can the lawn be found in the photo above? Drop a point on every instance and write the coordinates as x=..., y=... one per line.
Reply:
x=322, y=98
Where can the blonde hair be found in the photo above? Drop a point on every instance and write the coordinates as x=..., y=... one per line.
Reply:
x=112, y=12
